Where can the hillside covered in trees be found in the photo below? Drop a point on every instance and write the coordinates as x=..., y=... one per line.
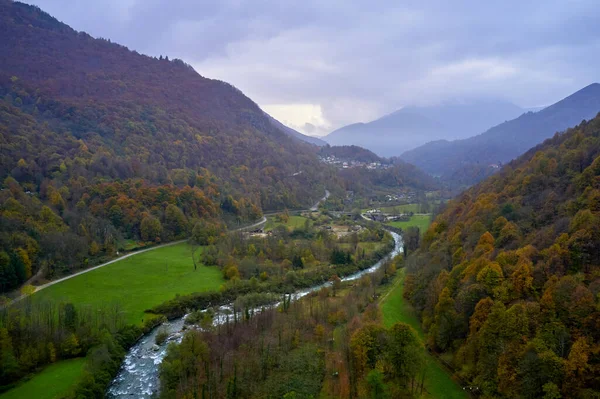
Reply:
x=365, y=172
x=103, y=146
x=507, y=278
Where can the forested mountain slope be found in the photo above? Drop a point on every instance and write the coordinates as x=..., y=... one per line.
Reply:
x=362, y=177
x=506, y=141
x=158, y=111
x=102, y=145
x=507, y=277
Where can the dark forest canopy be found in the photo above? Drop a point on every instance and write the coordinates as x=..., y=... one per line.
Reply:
x=507, y=278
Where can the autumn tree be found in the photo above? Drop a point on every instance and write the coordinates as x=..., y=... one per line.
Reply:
x=175, y=221
x=411, y=238
x=150, y=228
x=405, y=354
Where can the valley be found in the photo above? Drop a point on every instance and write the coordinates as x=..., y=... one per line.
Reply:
x=316, y=201
x=129, y=287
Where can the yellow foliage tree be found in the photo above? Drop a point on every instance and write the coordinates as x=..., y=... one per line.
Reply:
x=522, y=280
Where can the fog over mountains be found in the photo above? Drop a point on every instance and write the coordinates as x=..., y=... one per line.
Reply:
x=412, y=126
x=508, y=140
x=294, y=133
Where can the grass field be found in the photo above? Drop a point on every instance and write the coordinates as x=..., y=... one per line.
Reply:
x=130, y=245
x=367, y=246
x=53, y=382
x=138, y=282
x=420, y=221
x=293, y=222
x=395, y=309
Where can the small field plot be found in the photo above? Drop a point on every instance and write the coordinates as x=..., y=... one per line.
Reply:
x=53, y=382
x=420, y=221
x=139, y=282
x=293, y=222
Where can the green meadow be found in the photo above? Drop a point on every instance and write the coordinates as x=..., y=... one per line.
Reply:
x=294, y=222
x=52, y=383
x=138, y=283
x=394, y=307
x=420, y=221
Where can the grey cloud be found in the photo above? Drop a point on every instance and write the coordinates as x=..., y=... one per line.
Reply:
x=358, y=60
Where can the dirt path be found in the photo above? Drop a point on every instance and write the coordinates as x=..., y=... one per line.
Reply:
x=41, y=287
x=244, y=228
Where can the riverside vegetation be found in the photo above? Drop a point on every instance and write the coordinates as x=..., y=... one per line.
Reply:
x=330, y=344
x=275, y=263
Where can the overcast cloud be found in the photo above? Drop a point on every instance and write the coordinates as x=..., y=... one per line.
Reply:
x=318, y=65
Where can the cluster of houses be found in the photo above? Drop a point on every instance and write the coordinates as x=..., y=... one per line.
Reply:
x=408, y=197
x=347, y=164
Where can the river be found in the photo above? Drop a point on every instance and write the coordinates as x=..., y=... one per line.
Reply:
x=138, y=377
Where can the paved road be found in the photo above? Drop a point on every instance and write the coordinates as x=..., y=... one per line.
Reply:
x=252, y=226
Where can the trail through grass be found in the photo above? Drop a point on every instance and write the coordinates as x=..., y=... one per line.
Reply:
x=138, y=283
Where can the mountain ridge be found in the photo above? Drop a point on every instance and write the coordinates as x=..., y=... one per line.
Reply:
x=411, y=126
x=507, y=140
x=296, y=134
x=506, y=278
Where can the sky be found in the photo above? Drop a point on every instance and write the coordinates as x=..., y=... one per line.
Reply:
x=317, y=65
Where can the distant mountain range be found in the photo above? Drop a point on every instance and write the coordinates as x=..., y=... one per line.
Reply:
x=294, y=133
x=508, y=140
x=413, y=126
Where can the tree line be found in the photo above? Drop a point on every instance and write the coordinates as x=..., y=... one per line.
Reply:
x=329, y=343
x=506, y=279
x=34, y=334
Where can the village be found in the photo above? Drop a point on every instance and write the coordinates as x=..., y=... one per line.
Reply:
x=347, y=164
